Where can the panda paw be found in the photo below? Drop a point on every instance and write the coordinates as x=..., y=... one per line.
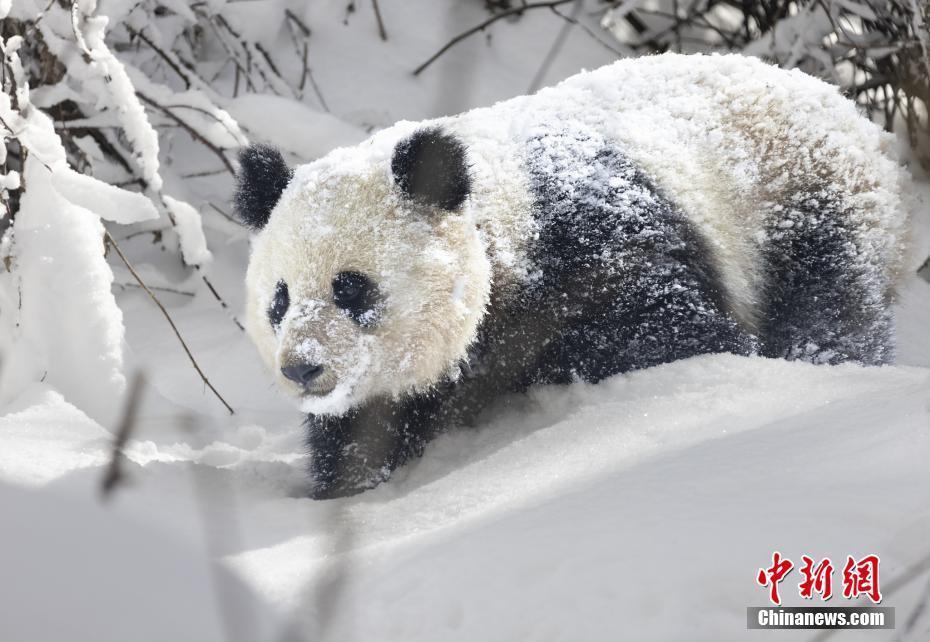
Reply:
x=327, y=484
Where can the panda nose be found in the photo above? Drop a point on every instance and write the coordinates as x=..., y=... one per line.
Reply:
x=302, y=373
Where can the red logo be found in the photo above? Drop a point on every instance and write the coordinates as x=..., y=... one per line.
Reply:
x=859, y=577
x=773, y=575
x=817, y=579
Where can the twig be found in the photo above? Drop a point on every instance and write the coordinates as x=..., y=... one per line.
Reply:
x=484, y=25
x=554, y=50
x=267, y=56
x=572, y=20
x=114, y=475
x=222, y=22
x=161, y=54
x=156, y=288
x=208, y=114
x=225, y=215
x=156, y=233
x=316, y=88
x=304, y=29
x=233, y=54
x=201, y=174
x=381, y=30
x=303, y=50
x=196, y=135
x=203, y=377
x=222, y=302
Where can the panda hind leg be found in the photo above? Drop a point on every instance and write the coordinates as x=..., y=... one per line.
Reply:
x=825, y=301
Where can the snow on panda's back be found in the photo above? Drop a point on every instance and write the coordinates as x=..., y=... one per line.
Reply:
x=730, y=139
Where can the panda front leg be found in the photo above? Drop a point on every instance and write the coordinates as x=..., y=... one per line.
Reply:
x=360, y=449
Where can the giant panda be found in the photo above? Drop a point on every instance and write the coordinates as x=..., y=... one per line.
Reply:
x=650, y=210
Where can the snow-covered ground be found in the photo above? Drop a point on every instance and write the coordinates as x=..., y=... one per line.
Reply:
x=640, y=508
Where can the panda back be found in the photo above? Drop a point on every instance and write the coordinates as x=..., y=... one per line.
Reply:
x=729, y=140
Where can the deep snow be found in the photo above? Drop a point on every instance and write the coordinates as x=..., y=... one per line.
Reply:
x=639, y=508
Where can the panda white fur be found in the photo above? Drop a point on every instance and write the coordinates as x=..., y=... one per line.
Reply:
x=650, y=210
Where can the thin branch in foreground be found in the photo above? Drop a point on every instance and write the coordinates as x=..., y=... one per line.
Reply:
x=216, y=502
x=924, y=269
x=381, y=30
x=135, y=275
x=487, y=23
x=114, y=475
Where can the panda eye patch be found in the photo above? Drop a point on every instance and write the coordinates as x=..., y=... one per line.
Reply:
x=280, y=304
x=357, y=296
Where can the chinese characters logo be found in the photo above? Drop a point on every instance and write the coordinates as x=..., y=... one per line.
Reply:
x=860, y=577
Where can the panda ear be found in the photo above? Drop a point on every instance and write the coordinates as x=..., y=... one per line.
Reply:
x=261, y=179
x=430, y=167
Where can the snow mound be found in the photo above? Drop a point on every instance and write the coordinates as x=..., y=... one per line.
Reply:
x=62, y=324
x=582, y=512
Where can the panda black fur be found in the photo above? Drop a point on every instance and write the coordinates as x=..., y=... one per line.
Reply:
x=614, y=273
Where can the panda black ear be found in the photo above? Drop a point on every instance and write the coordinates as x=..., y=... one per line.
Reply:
x=261, y=179
x=430, y=167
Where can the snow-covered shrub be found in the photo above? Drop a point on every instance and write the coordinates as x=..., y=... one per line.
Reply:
x=86, y=90
x=878, y=52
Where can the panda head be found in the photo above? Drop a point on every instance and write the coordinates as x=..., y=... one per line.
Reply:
x=367, y=274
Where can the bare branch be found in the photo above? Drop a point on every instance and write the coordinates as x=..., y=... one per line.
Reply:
x=196, y=135
x=225, y=214
x=135, y=275
x=304, y=29
x=484, y=25
x=554, y=50
x=222, y=302
x=161, y=54
x=156, y=288
x=575, y=22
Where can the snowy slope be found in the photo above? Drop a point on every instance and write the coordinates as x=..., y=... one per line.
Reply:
x=588, y=512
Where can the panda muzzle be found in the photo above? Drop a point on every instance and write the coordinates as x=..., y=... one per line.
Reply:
x=302, y=373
